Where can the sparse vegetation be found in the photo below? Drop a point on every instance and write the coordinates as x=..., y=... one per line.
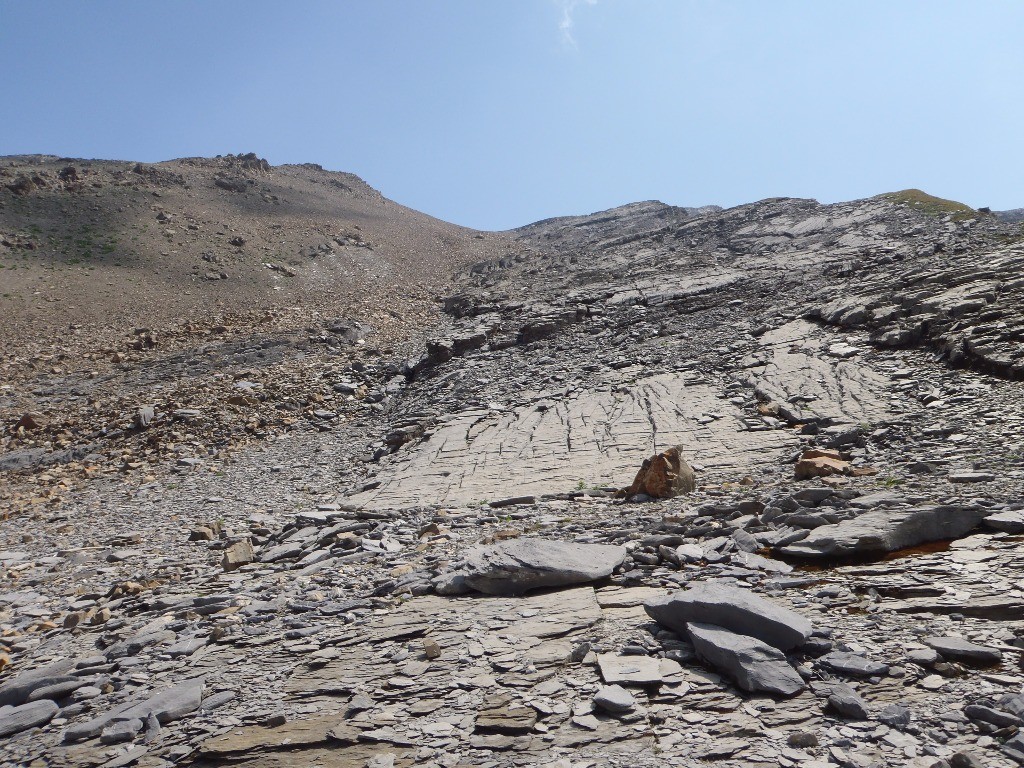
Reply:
x=931, y=205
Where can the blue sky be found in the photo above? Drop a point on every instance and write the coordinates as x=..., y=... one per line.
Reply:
x=495, y=113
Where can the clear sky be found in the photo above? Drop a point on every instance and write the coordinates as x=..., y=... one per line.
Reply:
x=496, y=113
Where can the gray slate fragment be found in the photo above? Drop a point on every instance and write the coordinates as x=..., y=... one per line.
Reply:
x=760, y=563
x=971, y=477
x=896, y=716
x=887, y=530
x=756, y=666
x=519, y=565
x=1012, y=702
x=21, y=718
x=965, y=760
x=1014, y=748
x=992, y=716
x=853, y=664
x=120, y=730
x=134, y=754
x=210, y=703
x=846, y=701
x=732, y=608
x=615, y=699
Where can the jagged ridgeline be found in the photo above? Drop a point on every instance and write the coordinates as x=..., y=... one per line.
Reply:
x=293, y=475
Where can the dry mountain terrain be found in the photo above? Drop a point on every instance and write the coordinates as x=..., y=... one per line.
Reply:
x=362, y=501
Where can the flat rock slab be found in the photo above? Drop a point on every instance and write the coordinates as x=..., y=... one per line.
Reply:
x=755, y=666
x=506, y=719
x=629, y=670
x=18, y=689
x=166, y=705
x=1010, y=522
x=958, y=649
x=594, y=437
x=997, y=607
x=887, y=530
x=972, y=477
x=318, y=740
x=732, y=608
x=520, y=565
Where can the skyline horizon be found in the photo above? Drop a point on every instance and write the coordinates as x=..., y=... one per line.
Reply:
x=529, y=223
x=493, y=114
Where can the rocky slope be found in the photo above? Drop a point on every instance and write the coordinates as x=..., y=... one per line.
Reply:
x=419, y=558
x=216, y=300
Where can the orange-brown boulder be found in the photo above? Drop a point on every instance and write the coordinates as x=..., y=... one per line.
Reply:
x=825, y=463
x=662, y=476
x=820, y=466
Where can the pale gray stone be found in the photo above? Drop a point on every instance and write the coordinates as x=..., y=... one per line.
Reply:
x=17, y=690
x=615, y=699
x=853, y=664
x=1010, y=522
x=847, y=702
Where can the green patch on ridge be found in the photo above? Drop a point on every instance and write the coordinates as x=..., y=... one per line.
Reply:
x=931, y=205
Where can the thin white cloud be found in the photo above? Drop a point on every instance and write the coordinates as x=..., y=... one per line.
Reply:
x=567, y=22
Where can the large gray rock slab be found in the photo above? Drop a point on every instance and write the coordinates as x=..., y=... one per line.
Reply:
x=853, y=664
x=733, y=608
x=887, y=530
x=17, y=719
x=755, y=666
x=519, y=565
x=597, y=437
